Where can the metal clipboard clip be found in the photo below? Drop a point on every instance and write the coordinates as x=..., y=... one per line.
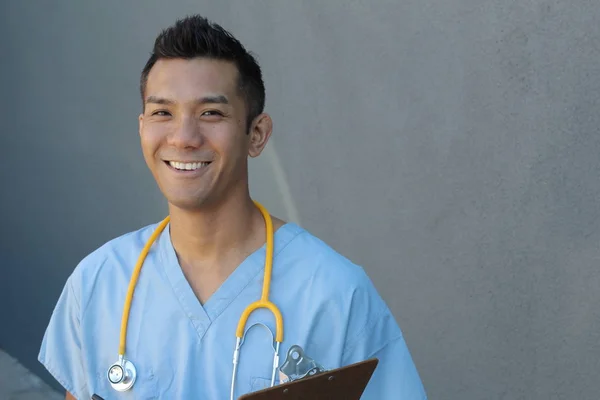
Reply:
x=298, y=365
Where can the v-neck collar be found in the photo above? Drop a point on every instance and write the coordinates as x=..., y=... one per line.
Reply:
x=201, y=317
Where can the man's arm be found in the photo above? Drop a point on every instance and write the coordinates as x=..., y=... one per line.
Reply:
x=61, y=351
x=374, y=333
x=396, y=376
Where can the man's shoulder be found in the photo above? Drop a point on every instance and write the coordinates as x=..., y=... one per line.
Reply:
x=318, y=260
x=336, y=283
x=117, y=251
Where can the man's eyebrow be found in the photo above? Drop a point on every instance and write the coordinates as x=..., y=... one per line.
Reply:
x=158, y=100
x=217, y=99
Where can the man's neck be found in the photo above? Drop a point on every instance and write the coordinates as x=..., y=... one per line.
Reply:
x=210, y=237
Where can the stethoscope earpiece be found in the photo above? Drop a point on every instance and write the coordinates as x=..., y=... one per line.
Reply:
x=121, y=375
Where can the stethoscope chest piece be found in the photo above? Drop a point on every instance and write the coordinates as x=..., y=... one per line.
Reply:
x=121, y=375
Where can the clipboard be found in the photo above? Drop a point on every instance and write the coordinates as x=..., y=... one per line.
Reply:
x=346, y=383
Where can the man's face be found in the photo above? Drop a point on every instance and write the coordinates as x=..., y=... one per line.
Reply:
x=193, y=130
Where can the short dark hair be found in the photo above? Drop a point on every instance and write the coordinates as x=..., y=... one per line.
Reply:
x=196, y=36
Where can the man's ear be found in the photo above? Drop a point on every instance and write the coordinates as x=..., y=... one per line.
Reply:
x=140, y=124
x=260, y=132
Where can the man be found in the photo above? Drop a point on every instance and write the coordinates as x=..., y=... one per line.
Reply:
x=203, y=99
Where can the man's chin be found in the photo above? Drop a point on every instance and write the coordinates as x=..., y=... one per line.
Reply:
x=189, y=203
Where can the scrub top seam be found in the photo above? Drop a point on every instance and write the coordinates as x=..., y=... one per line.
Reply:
x=386, y=344
x=353, y=342
x=179, y=296
x=85, y=302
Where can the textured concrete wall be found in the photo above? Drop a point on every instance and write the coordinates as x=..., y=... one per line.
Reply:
x=451, y=147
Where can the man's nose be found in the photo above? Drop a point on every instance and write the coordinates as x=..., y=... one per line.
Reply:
x=186, y=134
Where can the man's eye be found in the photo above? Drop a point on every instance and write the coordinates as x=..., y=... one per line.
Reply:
x=161, y=113
x=212, y=113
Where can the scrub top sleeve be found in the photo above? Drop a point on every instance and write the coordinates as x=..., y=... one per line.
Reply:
x=396, y=376
x=60, y=351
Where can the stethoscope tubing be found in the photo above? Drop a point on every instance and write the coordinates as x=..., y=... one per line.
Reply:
x=125, y=370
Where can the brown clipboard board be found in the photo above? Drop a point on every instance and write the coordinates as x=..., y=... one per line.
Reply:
x=346, y=383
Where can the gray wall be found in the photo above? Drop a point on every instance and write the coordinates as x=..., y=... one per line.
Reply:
x=449, y=146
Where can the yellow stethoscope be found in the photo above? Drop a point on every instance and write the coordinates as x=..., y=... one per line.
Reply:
x=122, y=374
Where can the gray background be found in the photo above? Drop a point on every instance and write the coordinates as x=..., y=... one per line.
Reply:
x=449, y=146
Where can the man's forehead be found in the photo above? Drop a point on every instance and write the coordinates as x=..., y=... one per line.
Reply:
x=196, y=77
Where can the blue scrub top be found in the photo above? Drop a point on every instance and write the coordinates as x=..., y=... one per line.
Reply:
x=183, y=349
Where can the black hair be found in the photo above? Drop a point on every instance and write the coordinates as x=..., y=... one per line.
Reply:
x=196, y=36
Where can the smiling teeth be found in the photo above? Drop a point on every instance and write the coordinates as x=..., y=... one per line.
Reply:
x=187, y=166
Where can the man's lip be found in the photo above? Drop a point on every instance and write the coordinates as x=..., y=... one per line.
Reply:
x=189, y=169
x=186, y=162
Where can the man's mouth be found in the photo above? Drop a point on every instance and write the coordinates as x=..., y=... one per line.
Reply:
x=187, y=166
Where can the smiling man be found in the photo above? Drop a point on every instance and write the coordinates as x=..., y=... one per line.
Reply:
x=203, y=116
